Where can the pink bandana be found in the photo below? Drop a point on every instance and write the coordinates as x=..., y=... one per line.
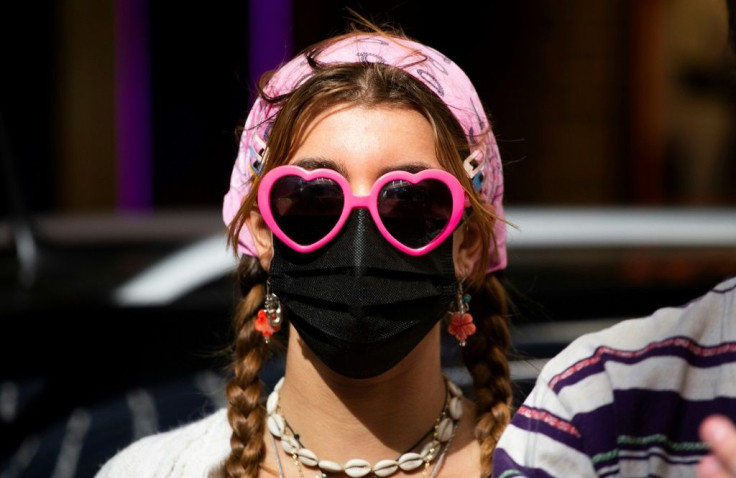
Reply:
x=427, y=65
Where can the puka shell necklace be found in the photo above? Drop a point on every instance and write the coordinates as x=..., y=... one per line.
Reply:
x=357, y=468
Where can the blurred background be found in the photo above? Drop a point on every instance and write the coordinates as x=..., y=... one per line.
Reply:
x=615, y=120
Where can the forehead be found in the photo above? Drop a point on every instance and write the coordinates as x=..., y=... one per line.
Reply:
x=362, y=137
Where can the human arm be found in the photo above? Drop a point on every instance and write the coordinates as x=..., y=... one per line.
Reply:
x=542, y=440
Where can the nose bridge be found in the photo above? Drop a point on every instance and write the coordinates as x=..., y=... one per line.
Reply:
x=359, y=201
x=361, y=185
x=361, y=239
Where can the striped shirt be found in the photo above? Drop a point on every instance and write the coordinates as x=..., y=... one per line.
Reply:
x=627, y=401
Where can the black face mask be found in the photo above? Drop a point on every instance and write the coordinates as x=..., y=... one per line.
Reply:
x=360, y=304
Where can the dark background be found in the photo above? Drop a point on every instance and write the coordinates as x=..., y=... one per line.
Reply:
x=582, y=95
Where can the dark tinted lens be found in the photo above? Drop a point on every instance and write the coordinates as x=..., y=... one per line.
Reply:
x=306, y=210
x=415, y=213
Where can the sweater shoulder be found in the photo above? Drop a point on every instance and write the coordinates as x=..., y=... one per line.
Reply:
x=191, y=449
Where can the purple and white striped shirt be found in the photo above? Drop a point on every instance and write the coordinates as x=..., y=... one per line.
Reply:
x=627, y=401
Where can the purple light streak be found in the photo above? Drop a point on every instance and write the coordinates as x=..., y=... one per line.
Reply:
x=133, y=106
x=270, y=35
x=270, y=41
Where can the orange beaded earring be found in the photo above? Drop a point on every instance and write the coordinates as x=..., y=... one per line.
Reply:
x=269, y=317
x=461, y=322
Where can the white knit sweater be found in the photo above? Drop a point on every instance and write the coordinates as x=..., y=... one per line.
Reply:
x=192, y=450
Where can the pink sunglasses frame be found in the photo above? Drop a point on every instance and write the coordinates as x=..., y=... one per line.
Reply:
x=370, y=202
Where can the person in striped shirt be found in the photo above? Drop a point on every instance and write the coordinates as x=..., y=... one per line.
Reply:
x=629, y=400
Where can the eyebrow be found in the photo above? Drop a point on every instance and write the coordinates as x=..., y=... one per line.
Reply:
x=324, y=163
x=320, y=163
x=412, y=168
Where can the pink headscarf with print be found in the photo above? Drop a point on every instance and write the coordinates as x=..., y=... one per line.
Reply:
x=429, y=66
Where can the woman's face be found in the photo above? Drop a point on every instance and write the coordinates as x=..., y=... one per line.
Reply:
x=362, y=144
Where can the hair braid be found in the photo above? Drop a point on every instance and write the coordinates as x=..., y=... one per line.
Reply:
x=485, y=356
x=245, y=412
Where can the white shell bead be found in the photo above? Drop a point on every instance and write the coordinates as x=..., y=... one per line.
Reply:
x=410, y=461
x=430, y=447
x=456, y=408
x=289, y=444
x=444, y=431
x=272, y=402
x=275, y=425
x=356, y=468
x=329, y=466
x=385, y=468
x=307, y=457
x=454, y=389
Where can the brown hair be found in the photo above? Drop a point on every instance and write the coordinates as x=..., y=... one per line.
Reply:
x=485, y=356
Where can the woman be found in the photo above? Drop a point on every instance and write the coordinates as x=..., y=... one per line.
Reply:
x=366, y=207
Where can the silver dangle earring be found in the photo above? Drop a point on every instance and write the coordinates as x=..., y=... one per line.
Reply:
x=461, y=322
x=269, y=318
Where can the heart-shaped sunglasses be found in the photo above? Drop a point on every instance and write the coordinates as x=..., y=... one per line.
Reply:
x=415, y=212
